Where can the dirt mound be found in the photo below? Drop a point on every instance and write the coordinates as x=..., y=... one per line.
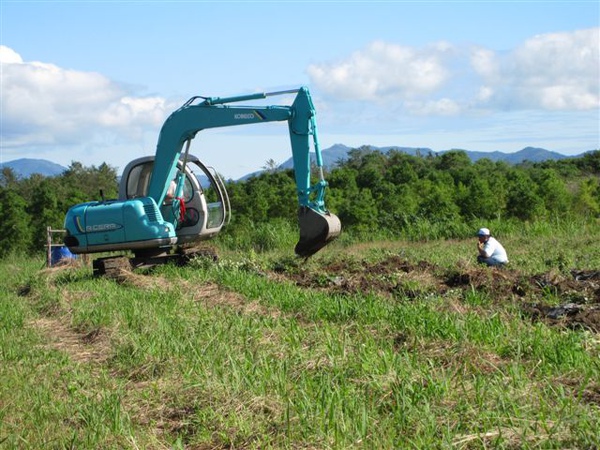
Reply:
x=571, y=299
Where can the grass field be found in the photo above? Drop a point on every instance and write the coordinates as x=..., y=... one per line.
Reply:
x=377, y=345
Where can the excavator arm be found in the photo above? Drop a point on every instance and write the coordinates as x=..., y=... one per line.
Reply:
x=136, y=222
x=187, y=121
x=317, y=225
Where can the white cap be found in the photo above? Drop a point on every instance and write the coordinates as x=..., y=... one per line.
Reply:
x=483, y=232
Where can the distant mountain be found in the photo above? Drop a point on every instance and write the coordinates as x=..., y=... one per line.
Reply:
x=531, y=154
x=338, y=152
x=334, y=154
x=25, y=167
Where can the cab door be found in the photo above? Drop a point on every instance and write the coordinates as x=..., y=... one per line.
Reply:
x=206, y=204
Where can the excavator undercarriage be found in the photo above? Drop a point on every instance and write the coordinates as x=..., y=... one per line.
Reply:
x=118, y=266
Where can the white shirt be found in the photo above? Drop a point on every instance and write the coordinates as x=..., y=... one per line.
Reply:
x=493, y=249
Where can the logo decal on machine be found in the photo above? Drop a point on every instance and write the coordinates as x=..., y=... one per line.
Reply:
x=99, y=228
x=249, y=116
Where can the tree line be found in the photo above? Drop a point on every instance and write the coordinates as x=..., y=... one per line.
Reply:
x=375, y=193
x=28, y=206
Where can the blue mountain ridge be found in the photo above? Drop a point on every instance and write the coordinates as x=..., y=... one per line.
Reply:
x=26, y=167
x=338, y=152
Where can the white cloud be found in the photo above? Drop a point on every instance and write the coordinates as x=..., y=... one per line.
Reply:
x=484, y=62
x=43, y=104
x=569, y=69
x=382, y=71
x=8, y=55
x=555, y=71
x=128, y=109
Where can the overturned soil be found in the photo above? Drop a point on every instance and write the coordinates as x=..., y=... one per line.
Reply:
x=570, y=299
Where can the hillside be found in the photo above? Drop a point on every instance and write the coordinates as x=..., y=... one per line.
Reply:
x=25, y=167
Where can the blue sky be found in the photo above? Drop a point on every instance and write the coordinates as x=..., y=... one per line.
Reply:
x=93, y=81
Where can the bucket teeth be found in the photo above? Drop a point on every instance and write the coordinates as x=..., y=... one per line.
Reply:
x=316, y=230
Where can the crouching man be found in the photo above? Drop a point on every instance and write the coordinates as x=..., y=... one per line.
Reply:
x=491, y=252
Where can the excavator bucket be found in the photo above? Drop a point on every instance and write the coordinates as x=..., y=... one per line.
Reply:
x=316, y=230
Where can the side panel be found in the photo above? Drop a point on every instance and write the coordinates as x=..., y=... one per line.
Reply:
x=132, y=224
x=104, y=224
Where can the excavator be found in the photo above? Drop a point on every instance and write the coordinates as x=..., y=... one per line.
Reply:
x=171, y=200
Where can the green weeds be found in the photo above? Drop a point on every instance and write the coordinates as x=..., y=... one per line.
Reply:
x=236, y=354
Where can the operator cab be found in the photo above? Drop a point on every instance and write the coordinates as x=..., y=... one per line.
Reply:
x=206, y=203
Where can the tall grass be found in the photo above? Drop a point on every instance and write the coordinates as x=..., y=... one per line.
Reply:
x=234, y=355
x=260, y=237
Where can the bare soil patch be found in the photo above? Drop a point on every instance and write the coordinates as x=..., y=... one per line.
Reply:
x=556, y=298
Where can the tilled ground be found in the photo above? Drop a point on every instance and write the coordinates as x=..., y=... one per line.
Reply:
x=568, y=299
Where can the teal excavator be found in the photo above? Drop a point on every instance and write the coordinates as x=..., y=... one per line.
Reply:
x=171, y=200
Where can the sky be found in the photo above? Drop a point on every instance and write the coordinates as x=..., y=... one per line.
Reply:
x=93, y=81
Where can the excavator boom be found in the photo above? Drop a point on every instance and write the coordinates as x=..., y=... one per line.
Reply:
x=99, y=226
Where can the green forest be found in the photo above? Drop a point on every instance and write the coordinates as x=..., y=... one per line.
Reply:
x=376, y=195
